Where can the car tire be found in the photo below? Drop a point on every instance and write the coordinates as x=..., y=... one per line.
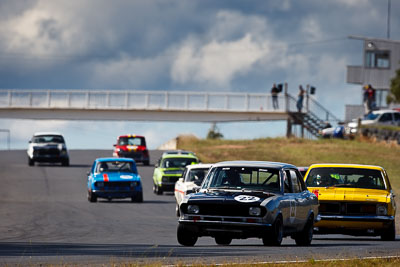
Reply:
x=223, y=240
x=389, y=234
x=186, y=237
x=65, y=162
x=157, y=190
x=305, y=237
x=138, y=198
x=275, y=236
x=92, y=197
x=31, y=162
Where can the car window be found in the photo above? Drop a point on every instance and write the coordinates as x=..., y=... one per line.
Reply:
x=386, y=117
x=131, y=141
x=286, y=182
x=177, y=162
x=371, y=116
x=297, y=187
x=345, y=177
x=196, y=176
x=48, y=139
x=115, y=166
x=396, y=116
x=252, y=178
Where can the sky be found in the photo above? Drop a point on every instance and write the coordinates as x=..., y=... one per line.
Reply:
x=182, y=45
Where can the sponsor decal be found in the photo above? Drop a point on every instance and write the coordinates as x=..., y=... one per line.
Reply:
x=246, y=199
x=126, y=176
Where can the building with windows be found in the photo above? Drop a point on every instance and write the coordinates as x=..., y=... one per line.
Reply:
x=381, y=59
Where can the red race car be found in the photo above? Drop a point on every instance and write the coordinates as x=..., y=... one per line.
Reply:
x=132, y=146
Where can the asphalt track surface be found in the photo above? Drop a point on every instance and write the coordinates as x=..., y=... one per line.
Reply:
x=45, y=218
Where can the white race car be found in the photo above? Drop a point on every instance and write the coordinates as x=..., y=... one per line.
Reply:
x=191, y=178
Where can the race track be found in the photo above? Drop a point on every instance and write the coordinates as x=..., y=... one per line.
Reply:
x=45, y=218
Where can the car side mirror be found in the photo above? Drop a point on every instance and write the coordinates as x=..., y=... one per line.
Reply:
x=156, y=165
x=197, y=189
x=87, y=173
x=180, y=179
x=29, y=141
x=114, y=145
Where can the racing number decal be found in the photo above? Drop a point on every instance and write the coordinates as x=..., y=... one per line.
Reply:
x=292, y=211
x=247, y=199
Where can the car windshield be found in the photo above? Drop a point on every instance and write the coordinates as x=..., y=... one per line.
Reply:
x=345, y=177
x=48, y=139
x=177, y=162
x=132, y=141
x=251, y=178
x=371, y=116
x=196, y=175
x=115, y=166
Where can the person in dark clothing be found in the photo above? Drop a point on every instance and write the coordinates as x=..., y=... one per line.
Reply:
x=300, y=98
x=274, y=93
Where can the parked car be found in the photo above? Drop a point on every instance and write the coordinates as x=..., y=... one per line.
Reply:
x=169, y=169
x=132, y=146
x=244, y=199
x=376, y=117
x=47, y=147
x=114, y=178
x=354, y=199
x=191, y=179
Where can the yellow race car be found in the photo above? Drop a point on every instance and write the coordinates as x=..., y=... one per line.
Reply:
x=353, y=199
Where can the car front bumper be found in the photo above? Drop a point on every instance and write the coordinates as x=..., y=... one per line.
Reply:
x=115, y=193
x=353, y=225
x=231, y=226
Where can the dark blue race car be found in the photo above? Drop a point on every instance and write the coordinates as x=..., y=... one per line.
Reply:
x=114, y=178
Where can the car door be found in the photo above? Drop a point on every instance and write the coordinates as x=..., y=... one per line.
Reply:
x=301, y=197
x=289, y=203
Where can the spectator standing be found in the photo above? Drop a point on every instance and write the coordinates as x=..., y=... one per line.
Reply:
x=365, y=100
x=274, y=93
x=300, y=98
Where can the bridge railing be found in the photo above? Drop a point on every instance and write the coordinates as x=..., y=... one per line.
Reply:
x=141, y=100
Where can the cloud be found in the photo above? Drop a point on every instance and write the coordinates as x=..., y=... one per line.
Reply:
x=232, y=47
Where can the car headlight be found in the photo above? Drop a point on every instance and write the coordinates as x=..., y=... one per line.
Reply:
x=193, y=209
x=381, y=209
x=254, y=211
x=100, y=184
x=133, y=184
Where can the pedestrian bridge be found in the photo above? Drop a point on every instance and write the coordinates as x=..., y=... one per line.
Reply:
x=142, y=105
x=130, y=105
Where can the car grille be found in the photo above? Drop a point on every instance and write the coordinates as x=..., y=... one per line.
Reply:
x=49, y=151
x=115, y=184
x=226, y=210
x=170, y=179
x=346, y=208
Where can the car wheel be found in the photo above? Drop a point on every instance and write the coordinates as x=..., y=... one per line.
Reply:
x=275, y=236
x=305, y=237
x=177, y=212
x=157, y=190
x=92, y=197
x=186, y=237
x=65, y=162
x=390, y=233
x=223, y=240
x=138, y=198
x=31, y=162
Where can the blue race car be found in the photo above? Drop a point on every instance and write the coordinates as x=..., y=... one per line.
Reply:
x=114, y=178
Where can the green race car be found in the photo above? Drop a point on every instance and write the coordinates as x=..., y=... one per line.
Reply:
x=169, y=169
